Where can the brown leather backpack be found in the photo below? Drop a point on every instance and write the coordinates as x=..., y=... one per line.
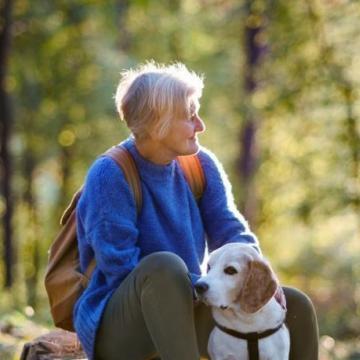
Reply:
x=64, y=282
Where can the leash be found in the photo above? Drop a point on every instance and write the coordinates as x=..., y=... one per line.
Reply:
x=252, y=338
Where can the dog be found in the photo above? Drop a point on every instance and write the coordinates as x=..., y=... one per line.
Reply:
x=249, y=322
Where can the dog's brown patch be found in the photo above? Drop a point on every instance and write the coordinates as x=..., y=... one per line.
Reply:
x=259, y=287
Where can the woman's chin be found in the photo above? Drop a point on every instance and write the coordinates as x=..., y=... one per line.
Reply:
x=190, y=148
x=193, y=147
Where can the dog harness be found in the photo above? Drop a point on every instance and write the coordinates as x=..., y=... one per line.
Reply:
x=252, y=338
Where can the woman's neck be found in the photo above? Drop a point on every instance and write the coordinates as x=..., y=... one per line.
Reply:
x=152, y=150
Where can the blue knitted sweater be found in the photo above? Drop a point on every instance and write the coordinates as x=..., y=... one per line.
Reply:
x=170, y=220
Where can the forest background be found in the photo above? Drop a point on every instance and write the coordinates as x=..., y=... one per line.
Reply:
x=281, y=104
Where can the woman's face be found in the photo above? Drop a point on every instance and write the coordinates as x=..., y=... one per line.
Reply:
x=181, y=138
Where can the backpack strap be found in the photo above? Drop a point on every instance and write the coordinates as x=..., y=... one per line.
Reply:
x=194, y=173
x=126, y=162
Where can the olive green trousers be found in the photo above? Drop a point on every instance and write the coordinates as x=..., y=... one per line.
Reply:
x=153, y=315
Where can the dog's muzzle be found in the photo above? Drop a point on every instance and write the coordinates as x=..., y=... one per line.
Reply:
x=201, y=288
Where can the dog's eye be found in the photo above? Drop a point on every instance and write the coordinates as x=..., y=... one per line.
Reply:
x=230, y=270
x=208, y=267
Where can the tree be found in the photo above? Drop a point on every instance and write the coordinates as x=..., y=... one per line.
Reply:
x=255, y=49
x=5, y=135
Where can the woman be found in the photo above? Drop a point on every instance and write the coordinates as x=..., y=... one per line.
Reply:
x=139, y=302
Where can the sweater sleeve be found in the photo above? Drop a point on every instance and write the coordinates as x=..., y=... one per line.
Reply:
x=222, y=221
x=108, y=214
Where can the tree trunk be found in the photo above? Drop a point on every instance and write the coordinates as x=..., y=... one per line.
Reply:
x=247, y=164
x=5, y=134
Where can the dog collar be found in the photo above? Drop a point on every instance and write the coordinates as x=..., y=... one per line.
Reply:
x=252, y=338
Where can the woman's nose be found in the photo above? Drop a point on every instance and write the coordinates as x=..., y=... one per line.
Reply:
x=199, y=125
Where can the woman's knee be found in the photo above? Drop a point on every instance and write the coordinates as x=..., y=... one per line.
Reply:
x=166, y=266
x=301, y=312
x=296, y=299
x=302, y=323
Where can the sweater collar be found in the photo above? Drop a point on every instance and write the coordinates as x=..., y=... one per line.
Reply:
x=146, y=167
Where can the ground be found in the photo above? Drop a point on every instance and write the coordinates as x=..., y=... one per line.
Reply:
x=16, y=329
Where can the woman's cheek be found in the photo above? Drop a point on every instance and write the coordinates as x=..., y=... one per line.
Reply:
x=191, y=129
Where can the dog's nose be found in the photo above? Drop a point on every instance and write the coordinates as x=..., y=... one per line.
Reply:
x=201, y=287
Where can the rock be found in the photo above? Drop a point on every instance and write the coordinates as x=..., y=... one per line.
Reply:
x=57, y=344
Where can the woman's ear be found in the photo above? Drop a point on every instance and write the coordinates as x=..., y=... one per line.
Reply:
x=259, y=287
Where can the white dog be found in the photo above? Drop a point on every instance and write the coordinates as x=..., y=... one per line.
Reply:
x=240, y=288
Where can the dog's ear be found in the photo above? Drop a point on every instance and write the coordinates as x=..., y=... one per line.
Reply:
x=259, y=287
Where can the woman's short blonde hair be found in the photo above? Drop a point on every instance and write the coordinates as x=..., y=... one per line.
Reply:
x=149, y=97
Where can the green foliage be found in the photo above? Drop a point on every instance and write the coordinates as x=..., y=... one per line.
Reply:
x=65, y=63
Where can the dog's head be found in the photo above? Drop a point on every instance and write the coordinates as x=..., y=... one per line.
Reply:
x=237, y=277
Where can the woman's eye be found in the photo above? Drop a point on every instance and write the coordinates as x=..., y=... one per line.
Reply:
x=230, y=270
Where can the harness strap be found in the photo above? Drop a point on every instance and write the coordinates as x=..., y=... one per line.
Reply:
x=252, y=338
x=253, y=349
